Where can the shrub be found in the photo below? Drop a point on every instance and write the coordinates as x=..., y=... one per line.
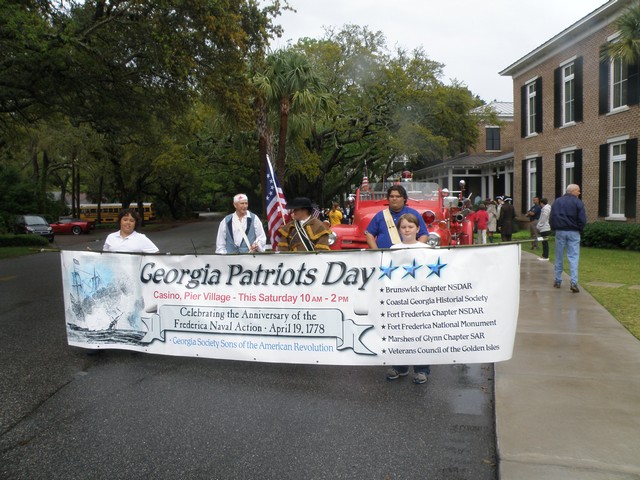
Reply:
x=23, y=241
x=624, y=236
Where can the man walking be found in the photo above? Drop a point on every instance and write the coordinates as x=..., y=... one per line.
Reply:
x=241, y=231
x=568, y=219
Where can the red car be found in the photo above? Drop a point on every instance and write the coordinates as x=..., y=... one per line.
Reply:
x=444, y=214
x=74, y=226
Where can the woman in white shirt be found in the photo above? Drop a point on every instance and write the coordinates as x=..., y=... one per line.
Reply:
x=127, y=239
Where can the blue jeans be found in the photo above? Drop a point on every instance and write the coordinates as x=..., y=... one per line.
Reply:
x=568, y=240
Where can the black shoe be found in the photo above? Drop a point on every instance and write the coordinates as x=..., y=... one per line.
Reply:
x=556, y=284
x=574, y=288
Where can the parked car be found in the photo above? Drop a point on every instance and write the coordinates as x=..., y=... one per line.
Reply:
x=444, y=214
x=74, y=226
x=33, y=224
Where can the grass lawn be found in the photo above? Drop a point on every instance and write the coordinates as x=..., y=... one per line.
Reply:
x=607, y=266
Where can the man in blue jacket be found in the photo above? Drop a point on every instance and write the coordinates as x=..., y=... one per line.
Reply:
x=568, y=219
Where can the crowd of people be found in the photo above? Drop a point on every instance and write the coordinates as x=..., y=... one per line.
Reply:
x=397, y=226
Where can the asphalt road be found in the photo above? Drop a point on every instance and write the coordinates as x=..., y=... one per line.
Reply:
x=122, y=415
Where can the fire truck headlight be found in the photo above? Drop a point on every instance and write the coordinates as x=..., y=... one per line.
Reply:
x=332, y=238
x=433, y=240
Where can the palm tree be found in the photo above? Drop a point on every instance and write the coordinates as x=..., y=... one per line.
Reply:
x=627, y=46
x=288, y=85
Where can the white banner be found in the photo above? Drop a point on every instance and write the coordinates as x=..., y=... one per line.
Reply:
x=393, y=307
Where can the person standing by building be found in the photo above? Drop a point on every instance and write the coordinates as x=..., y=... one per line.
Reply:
x=534, y=216
x=492, y=223
x=568, y=219
x=481, y=217
x=544, y=228
x=408, y=225
x=304, y=233
x=241, y=231
x=382, y=231
x=506, y=219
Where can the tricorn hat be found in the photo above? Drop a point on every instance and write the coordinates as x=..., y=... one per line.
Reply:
x=300, y=202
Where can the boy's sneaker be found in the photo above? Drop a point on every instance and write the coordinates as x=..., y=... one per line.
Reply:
x=420, y=378
x=543, y=259
x=574, y=288
x=393, y=374
x=557, y=284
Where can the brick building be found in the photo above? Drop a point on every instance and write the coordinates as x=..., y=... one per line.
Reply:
x=577, y=120
x=487, y=168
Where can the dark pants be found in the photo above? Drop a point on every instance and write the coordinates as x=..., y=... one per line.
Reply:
x=545, y=244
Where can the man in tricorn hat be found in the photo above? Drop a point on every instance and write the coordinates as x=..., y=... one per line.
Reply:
x=304, y=233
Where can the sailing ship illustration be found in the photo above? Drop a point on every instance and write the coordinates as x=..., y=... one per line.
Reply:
x=103, y=307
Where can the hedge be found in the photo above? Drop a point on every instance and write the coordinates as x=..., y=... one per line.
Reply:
x=10, y=240
x=625, y=236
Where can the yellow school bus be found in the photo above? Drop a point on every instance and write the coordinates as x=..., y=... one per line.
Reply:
x=110, y=211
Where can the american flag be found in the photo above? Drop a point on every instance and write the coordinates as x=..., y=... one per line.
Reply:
x=276, y=205
x=365, y=179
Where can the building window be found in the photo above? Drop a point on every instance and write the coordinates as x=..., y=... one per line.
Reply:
x=493, y=138
x=533, y=172
x=568, y=94
x=531, y=108
x=568, y=169
x=617, y=166
x=618, y=93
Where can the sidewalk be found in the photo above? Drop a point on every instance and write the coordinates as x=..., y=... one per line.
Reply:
x=568, y=402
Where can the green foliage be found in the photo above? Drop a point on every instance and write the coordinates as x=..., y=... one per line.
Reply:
x=612, y=235
x=626, y=47
x=9, y=240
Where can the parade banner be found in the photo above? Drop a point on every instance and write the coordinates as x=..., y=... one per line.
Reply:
x=382, y=307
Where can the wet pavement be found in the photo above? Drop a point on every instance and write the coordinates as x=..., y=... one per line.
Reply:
x=120, y=415
x=567, y=405
x=568, y=402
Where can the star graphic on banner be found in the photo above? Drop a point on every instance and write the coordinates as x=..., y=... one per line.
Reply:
x=384, y=350
x=382, y=314
x=436, y=267
x=411, y=269
x=384, y=339
x=387, y=271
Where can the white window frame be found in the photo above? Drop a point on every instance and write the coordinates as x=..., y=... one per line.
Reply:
x=493, y=127
x=618, y=85
x=531, y=108
x=617, y=180
x=532, y=175
x=568, y=100
x=568, y=168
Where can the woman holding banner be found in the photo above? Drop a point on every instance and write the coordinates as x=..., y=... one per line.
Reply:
x=127, y=239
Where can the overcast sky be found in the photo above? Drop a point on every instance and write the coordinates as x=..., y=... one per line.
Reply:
x=474, y=39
